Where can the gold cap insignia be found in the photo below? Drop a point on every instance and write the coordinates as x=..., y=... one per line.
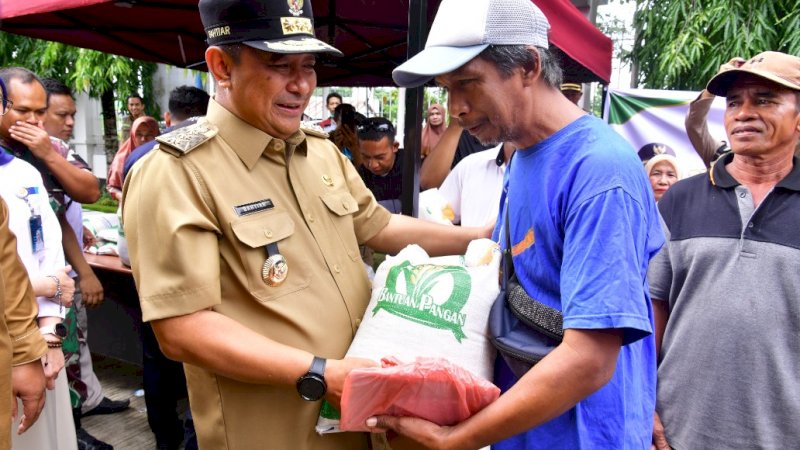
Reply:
x=295, y=7
x=294, y=25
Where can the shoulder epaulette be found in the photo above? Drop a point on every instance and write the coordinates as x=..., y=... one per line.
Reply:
x=312, y=129
x=186, y=139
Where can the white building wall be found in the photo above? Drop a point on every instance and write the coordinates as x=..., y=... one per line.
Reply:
x=168, y=78
x=87, y=137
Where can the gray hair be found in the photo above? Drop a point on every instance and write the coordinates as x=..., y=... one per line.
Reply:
x=18, y=73
x=22, y=74
x=507, y=58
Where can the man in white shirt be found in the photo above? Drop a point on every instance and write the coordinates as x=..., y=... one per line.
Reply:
x=474, y=186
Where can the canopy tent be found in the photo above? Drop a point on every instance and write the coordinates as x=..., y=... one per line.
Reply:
x=375, y=36
x=372, y=34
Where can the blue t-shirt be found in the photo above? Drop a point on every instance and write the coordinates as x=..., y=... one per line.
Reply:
x=584, y=226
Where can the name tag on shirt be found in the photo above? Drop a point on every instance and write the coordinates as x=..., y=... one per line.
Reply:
x=254, y=207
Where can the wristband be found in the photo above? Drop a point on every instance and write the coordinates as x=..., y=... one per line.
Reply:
x=57, y=295
x=53, y=344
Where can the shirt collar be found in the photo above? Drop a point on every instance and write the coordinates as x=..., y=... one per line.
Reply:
x=500, y=159
x=248, y=142
x=720, y=177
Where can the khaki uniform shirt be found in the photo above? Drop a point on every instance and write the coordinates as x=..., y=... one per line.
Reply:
x=20, y=340
x=198, y=215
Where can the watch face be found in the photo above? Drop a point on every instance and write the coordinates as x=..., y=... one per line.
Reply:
x=61, y=330
x=311, y=387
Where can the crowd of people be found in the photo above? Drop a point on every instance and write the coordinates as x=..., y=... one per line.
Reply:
x=245, y=229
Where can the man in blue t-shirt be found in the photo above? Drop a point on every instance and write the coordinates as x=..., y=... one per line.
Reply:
x=583, y=227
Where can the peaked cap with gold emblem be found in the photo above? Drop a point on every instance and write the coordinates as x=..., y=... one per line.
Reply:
x=278, y=26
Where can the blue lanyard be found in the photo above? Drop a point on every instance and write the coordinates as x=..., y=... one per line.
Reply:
x=5, y=156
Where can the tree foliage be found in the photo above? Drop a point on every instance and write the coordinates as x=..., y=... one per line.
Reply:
x=101, y=75
x=680, y=44
x=83, y=70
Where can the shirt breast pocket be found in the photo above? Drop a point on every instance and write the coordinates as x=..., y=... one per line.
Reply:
x=343, y=205
x=254, y=234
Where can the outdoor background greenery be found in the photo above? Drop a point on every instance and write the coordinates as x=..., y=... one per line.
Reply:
x=110, y=78
x=680, y=44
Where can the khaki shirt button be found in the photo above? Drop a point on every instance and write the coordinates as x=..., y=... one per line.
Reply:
x=278, y=146
x=268, y=233
x=310, y=218
x=358, y=323
x=336, y=268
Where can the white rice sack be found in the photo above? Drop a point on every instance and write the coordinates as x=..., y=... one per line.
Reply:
x=434, y=208
x=97, y=221
x=105, y=227
x=423, y=306
x=434, y=307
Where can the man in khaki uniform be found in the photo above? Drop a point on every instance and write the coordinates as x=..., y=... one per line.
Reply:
x=21, y=344
x=243, y=232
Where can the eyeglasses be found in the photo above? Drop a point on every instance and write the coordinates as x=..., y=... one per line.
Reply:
x=374, y=125
x=6, y=106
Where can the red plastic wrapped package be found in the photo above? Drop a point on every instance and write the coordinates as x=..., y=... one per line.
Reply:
x=430, y=388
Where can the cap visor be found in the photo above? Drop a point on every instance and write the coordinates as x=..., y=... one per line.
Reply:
x=433, y=61
x=297, y=44
x=720, y=84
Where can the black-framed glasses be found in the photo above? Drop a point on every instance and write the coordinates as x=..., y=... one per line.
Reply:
x=374, y=125
x=6, y=106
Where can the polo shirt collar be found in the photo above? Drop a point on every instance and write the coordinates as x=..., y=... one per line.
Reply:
x=792, y=180
x=721, y=178
x=719, y=174
x=248, y=142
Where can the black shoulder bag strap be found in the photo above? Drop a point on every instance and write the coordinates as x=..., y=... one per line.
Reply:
x=542, y=318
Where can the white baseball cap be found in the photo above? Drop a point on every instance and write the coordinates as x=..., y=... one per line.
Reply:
x=462, y=29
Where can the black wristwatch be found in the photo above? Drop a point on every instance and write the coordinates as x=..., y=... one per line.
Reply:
x=311, y=386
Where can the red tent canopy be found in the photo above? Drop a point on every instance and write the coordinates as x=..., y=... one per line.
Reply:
x=371, y=33
x=579, y=39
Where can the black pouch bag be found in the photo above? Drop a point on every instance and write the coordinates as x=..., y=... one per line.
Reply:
x=522, y=329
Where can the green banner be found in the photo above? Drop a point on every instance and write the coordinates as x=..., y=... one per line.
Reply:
x=622, y=107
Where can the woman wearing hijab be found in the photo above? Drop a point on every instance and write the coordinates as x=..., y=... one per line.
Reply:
x=663, y=172
x=434, y=129
x=143, y=130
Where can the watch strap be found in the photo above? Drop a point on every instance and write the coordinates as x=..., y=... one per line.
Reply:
x=318, y=367
x=49, y=329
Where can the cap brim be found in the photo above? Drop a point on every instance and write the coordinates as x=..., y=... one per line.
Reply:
x=296, y=44
x=721, y=82
x=433, y=61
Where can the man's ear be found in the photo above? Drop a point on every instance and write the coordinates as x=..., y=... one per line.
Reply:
x=219, y=64
x=395, y=147
x=531, y=74
x=167, y=119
